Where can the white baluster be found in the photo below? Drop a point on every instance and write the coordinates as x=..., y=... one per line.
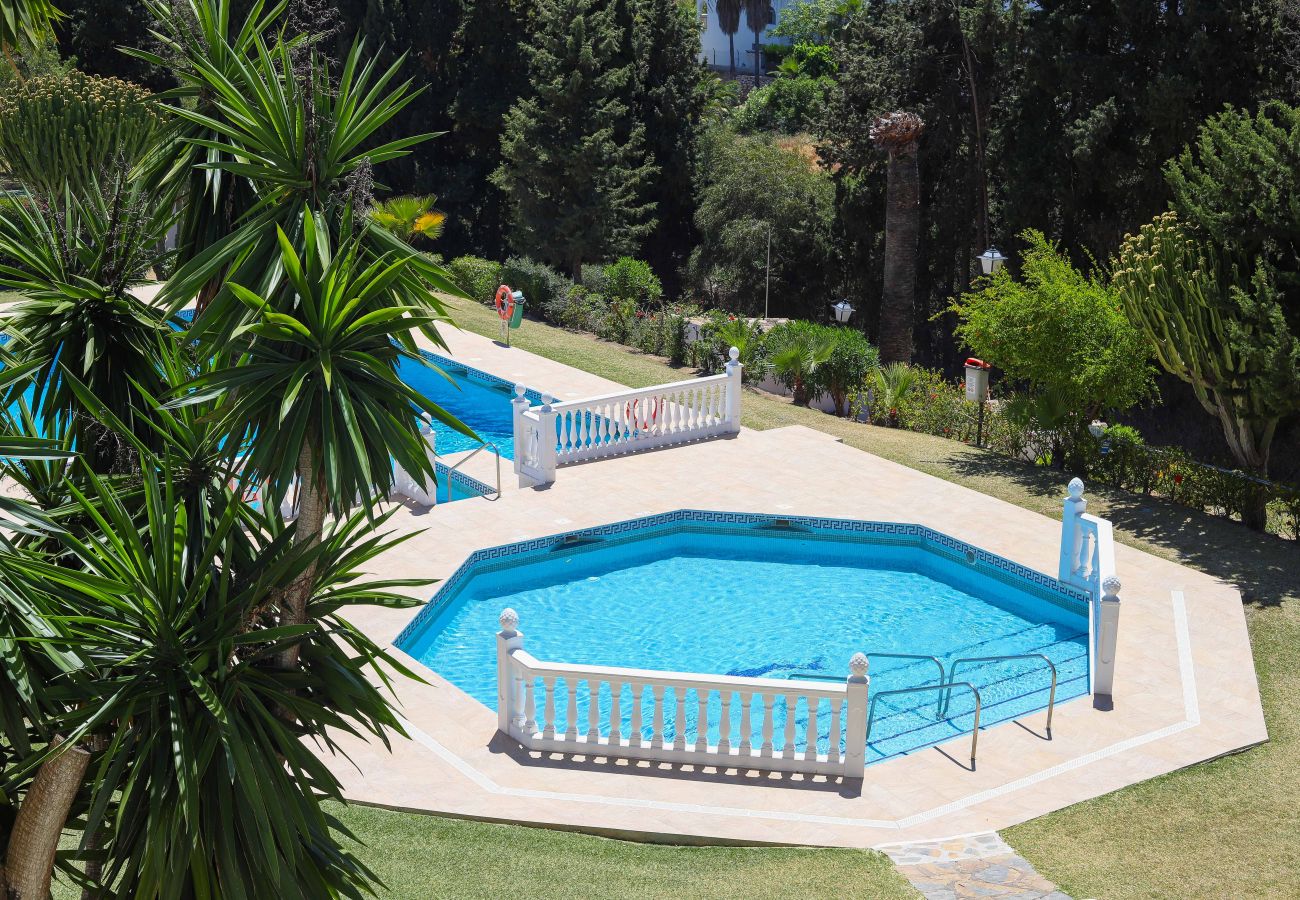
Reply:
x=615, y=713
x=530, y=708
x=638, y=698
x=593, y=711
x=746, y=725
x=679, y=719
x=787, y=748
x=657, y=736
x=724, y=724
x=810, y=732
x=769, y=713
x=701, y=720
x=833, y=738
x=548, y=685
x=571, y=709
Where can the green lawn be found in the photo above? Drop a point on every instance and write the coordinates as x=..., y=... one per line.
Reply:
x=421, y=857
x=1228, y=828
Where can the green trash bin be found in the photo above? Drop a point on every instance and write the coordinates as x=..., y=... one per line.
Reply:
x=517, y=316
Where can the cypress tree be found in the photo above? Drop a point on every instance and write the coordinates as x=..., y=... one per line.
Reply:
x=670, y=104
x=574, y=185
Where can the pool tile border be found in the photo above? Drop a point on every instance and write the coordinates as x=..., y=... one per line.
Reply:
x=1013, y=574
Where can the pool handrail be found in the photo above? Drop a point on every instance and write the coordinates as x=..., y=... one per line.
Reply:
x=947, y=689
x=1051, y=697
x=485, y=445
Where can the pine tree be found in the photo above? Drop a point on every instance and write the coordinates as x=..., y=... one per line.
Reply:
x=574, y=187
x=670, y=102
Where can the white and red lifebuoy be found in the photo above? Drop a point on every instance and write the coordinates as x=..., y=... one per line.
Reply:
x=653, y=407
x=505, y=301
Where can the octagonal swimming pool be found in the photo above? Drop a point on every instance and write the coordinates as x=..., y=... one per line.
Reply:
x=761, y=596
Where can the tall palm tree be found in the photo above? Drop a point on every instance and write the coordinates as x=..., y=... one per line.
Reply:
x=899, y=134
x=729, y=21
x=758, y=15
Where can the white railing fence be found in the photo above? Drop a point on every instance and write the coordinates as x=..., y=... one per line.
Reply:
x=554, y=434
x=689, y=719
x=1088, y=562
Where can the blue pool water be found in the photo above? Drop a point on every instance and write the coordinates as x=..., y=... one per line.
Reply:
x=477, y=400
x=774, y=607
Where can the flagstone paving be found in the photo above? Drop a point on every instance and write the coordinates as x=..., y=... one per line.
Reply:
x=974, y=866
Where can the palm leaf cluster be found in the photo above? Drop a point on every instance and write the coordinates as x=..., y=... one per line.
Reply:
x=175, y=652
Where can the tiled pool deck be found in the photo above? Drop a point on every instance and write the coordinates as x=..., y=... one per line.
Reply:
x=1185, y=688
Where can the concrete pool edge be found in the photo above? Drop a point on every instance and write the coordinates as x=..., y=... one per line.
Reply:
x=799, y=471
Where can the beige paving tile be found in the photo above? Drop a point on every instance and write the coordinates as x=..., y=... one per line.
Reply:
x=1159, y=721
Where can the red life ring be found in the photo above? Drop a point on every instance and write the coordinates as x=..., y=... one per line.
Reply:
x=655, y=405
x=505, y=301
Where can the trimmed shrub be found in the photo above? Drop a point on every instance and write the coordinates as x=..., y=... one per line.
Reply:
x=546, y=290
x=632, y=280
x=477, y=276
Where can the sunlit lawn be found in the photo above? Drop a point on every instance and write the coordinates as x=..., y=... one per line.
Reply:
x=1228, y=828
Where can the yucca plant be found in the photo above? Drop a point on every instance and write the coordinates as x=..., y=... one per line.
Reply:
x=211, y=32
x=76, y=263
x=170, y=708
x=410, y=217
x=301, y=140
x=27, y=21
x=313, y=389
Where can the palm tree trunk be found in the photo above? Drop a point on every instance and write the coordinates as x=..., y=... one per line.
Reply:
x=902, y=227
x=29, y=861
x=312, y=503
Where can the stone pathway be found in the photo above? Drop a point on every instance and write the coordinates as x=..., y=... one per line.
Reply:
x=976, y=866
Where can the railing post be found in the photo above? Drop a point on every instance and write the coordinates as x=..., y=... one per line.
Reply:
x=548, y=440
x=520, y=432
x=1106, y=633
x=1071, y=536
x=509, y=639
x=855, y=729
x=735, y=376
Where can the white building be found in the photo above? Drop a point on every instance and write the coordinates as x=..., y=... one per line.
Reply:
x=716, y=45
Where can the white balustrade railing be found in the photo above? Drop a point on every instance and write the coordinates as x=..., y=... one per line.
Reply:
x=554, y=434
x=1088, y=562
x=674, y=717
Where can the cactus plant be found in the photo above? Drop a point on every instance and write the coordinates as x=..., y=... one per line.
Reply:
x=1218, y=328
x=73, y=128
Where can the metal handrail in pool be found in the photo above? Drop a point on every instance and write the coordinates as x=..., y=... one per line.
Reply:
x=1051, y=697
x=486, y=445
x=947, y=688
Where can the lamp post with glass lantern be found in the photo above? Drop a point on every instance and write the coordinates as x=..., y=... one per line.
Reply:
x=991, y=260
x=843, y=310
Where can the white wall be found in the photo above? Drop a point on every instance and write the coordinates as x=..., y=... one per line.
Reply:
x=713, y=42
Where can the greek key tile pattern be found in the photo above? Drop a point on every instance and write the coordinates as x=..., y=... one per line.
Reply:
x=602, y=537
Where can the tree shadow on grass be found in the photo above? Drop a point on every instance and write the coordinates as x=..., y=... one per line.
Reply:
x=1265, y=568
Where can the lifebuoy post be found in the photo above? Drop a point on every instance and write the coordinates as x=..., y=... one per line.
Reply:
x=510, y=309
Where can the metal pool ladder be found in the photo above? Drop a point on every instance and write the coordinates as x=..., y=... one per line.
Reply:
x=946, y=688
x=486, y=445
x=1051, y=697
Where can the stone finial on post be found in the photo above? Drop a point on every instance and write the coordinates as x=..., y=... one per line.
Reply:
x=735, y=377
x=855, y=729
x=1071, y=536
x=1106, y=633
x=509, y=708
